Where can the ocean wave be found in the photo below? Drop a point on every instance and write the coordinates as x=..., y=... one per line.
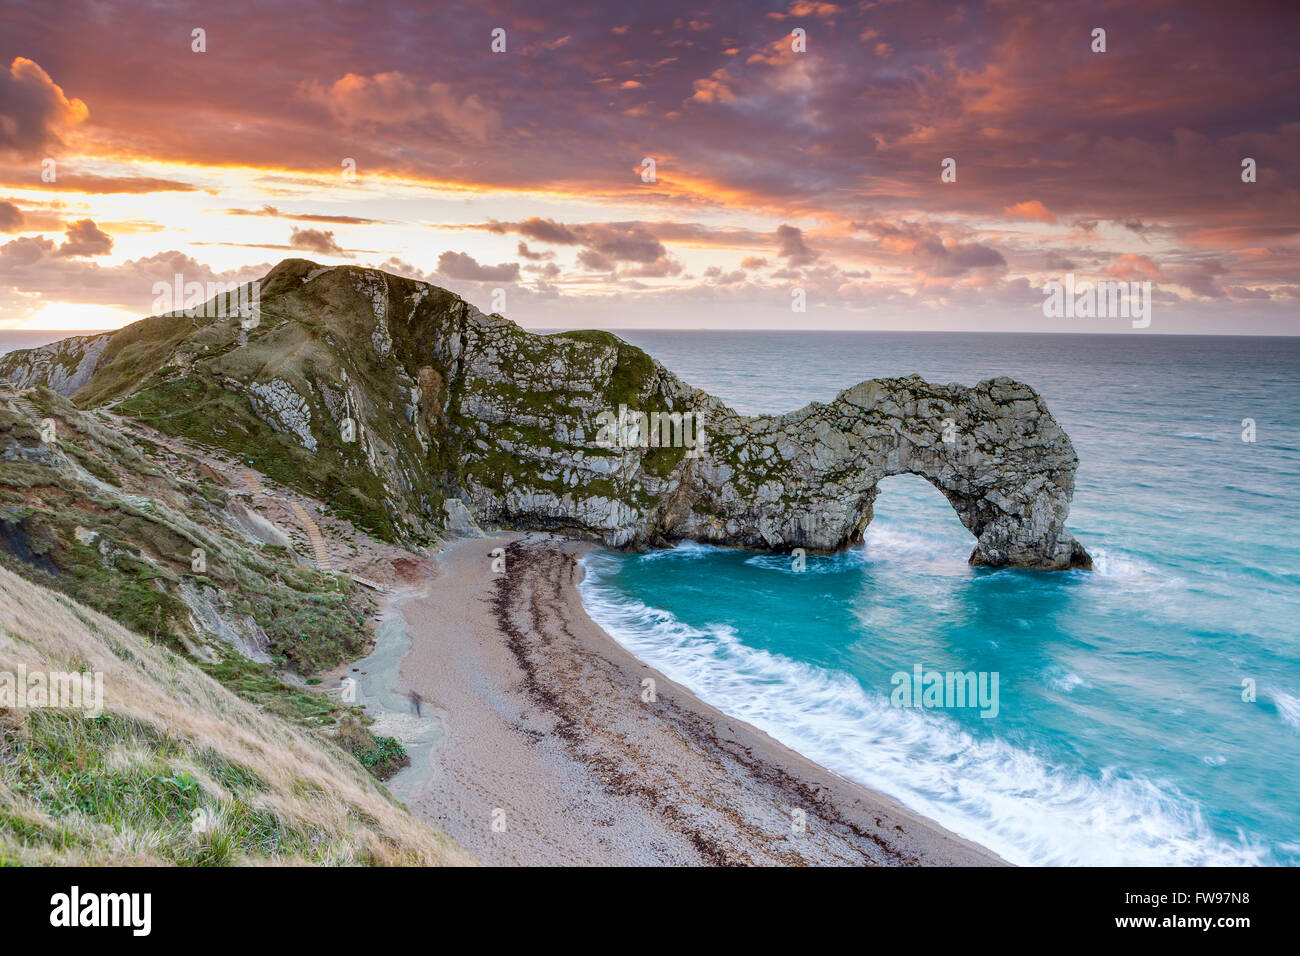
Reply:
x=1128, y=572
x=683, y=550
x=915, y=550
x=813, y=563
x=881, y=545
x=1058, y=678
x=1011, y=800
x=1288, y=708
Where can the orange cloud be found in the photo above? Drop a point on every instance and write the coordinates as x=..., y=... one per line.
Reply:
x=92, y=183
x=34, y=112
x=1133, y=266
x=807, y=8
x=1032, y=210
x=713, y=89
x=393, y=99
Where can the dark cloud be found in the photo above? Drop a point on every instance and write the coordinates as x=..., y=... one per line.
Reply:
x=623, y=241
x=948, y=260
x=276, y=213
x=593, y=260
x=403, y=268
x=315, y=240
x=610, y=241
x=459, y=265
x=1139, y=149
x=931, y=253
x=86, y=239
x=1202, y=278
x=1055, y=262
x=11, y=217
x=34, y=112
x=548, y=271
x=661, y=268
x=526, y=253
x=25, y=250
x=719, y=277
x=542, y=230
x=1034, y=111
x=791, y=246
x=65, y=182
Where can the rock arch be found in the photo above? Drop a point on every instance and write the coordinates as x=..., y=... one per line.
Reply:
x=809, y=479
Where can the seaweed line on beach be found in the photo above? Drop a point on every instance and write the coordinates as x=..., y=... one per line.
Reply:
x=515, y=602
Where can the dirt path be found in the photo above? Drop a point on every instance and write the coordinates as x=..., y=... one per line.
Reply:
x=330, y=545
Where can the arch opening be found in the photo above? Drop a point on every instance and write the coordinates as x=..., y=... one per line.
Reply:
x=909, y=516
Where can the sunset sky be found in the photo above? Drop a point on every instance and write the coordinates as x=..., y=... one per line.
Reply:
x=775, y=169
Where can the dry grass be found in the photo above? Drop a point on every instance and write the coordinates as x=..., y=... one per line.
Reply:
x=173, y=744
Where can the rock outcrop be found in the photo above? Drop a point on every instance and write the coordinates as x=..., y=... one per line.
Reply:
x=410, y=410
x=62, y=366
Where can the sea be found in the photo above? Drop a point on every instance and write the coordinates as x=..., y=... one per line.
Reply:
x=1148, y=711
x=11, y=339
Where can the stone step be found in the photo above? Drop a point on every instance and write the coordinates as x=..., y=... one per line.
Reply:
x=313, y=535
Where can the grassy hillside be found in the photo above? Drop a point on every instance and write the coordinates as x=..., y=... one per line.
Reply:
x=173, y=747
x=105, y=519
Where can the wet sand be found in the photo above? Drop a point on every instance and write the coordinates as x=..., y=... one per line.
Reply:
x=550, y=752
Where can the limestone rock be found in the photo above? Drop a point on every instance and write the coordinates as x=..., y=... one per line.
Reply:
x=459, y=520
x=465, y=420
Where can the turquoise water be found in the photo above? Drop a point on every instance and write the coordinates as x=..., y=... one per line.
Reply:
x=1122, y=736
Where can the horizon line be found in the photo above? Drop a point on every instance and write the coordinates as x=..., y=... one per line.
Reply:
x=552, y=330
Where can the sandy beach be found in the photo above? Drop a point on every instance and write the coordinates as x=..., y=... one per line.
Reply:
x=549, y=751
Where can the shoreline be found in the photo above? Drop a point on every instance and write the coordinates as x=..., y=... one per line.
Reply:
x=550, y=749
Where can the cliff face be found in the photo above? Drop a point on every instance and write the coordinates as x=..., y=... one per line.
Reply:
x=412, y=412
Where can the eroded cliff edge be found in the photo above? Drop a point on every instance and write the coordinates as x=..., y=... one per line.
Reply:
x=412, y=413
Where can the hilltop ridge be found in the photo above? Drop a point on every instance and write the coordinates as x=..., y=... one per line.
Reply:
x=414, y=415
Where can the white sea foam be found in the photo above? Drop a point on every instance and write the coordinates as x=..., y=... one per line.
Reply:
x=1058, y=678
x=1129, y=573
x=1008, y=799
x=683, y=549
x=1288, y=708
x=916, y=551
x=813, y=563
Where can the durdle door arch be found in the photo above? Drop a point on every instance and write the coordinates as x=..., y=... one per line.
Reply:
x=993, y=451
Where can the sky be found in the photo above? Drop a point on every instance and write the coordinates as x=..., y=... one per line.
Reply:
x=884, y=165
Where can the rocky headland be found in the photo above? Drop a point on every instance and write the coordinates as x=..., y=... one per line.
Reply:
x=414, y=415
